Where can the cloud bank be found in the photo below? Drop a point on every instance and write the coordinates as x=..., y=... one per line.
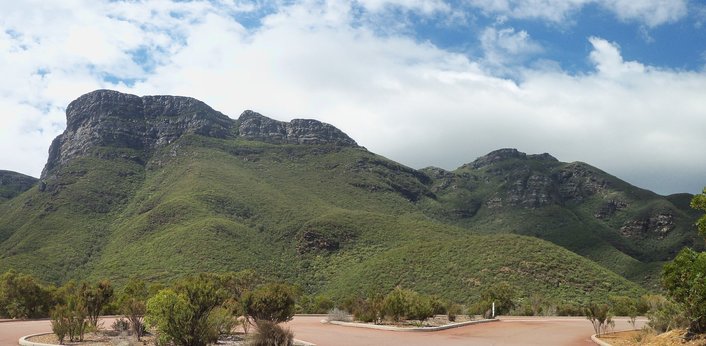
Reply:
x=401, y=97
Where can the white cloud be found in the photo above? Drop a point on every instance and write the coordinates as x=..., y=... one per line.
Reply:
x=408, y=100
x=649, y=12
x=505, y=47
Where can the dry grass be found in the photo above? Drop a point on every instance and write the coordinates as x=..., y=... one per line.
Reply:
x=648, y=338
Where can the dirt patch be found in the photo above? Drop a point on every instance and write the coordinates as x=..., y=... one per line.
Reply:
x=101, y=338
x=647, y=338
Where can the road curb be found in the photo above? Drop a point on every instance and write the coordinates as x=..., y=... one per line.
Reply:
x=598, y=341
x=414, y=329
x=24, y=342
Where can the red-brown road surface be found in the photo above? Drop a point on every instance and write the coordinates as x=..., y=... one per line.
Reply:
x=509, y=331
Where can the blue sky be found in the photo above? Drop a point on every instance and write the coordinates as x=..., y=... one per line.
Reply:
x=615, y=83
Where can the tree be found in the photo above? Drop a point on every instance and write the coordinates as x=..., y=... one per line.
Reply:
x=94, y=298
x=183, y=315
x=272, y=302
x=684, y=279
x=503, y=294
x=685, y=282
x=599, y=315
x=132, y=303
x=699, y=203
x=23, y=296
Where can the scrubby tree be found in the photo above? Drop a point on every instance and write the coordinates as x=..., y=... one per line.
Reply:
x=684, y=279
x=271, y=302
x=70, y=318
x=685, y=282
x=502, y=294
x=23, y=296
x=183, y=315
x=94, y=298
x=599, y=315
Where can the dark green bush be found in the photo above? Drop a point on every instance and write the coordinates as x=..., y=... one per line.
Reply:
x=23, y=296
x=272, y=302
x=183, y=316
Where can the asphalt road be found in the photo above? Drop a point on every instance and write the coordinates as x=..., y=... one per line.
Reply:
x=509, y=331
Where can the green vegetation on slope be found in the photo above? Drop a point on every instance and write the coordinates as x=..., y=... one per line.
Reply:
x=335, y=220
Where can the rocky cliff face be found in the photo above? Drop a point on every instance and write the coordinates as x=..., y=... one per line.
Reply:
x=255, y=126
x=110, y=118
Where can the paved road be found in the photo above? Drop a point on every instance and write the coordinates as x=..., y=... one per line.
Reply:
x=509, y=331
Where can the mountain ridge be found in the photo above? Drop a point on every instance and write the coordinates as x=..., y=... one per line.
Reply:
x=162, y=186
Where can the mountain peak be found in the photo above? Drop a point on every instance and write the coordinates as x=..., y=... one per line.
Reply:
x=111, y=118
x=507, y=154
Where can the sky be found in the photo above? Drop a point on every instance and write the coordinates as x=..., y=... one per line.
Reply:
x=619, y=84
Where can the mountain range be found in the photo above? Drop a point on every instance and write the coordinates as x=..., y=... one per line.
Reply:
x=163, y=186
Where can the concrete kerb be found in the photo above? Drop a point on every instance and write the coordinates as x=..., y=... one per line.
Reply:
x=598, y=341
x=414, y=329
x=24, y=342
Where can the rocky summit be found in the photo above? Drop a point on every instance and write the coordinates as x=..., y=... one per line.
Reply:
x=107, y=118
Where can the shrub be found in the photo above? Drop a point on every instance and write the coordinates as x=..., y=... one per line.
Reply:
x=624, y=306
x=69, y=319
x=95, y=298
x=120, y=325
x=270, y=334
x=395, y=304
x=663, y=314
x=503, y=294
x=368, y=310
x=183, y=316
x=60, y=322
x=453, y=311
x=438, y=306
x=419, y=307
x=272, y=302
x=401, y=303
x=132, y=304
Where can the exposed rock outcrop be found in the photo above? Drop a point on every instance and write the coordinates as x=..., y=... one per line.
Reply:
x=657, y=225
x=255, y=126
x=110, y=118
x=608, y=209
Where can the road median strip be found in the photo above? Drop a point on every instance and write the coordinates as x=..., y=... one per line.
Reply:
x=412, y=329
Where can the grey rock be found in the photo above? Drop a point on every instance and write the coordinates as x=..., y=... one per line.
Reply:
x=255, y=126
x=657, y=225
x=114, y=119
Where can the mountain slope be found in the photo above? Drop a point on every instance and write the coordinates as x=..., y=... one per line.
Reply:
x=162, y=186
x=575, y=205
x=13, y=184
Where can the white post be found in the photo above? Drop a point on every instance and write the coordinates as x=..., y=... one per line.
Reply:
x=493, y=309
